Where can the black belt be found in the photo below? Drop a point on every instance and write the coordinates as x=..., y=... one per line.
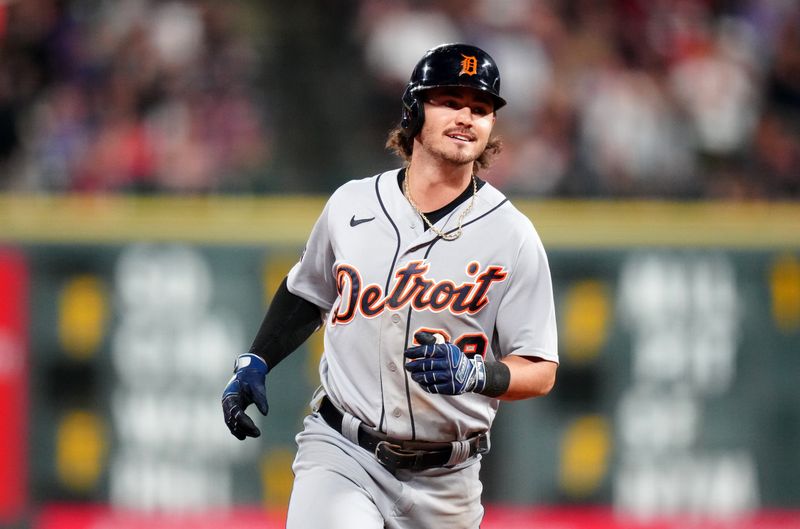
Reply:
x=396, y=454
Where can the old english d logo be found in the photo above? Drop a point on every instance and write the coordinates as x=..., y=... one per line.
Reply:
x=469, y=66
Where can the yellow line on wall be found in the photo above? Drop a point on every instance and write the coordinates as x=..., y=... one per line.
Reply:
x=113, y=219
x=656, y=223
x=72, y=219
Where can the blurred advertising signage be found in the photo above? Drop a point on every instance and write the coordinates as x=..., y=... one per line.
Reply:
x=170, y=350
x=13, y=386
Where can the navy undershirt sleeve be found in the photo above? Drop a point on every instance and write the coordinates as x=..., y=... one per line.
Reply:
x=289, y=321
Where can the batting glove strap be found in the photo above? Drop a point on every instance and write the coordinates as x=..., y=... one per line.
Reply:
x=480, y=374
x=250, y=361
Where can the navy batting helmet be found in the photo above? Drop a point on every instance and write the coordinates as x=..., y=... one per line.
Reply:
x=448, y=65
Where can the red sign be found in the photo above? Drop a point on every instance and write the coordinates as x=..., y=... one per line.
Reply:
x=87, y=516
x=13, y=385
x=78, y=516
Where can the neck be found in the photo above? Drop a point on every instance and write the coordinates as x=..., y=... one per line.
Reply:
x=433, y=186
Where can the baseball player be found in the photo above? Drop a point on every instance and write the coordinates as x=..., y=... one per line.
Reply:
x=436, y=300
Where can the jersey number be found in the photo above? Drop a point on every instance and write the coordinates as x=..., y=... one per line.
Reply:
x=470, y=343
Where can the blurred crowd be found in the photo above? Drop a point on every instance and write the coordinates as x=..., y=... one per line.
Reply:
x=617, y=98
x=127, y=96
x=675, y=98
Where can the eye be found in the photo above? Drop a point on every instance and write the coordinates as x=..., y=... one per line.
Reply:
x=480, y=110
x=437, y=101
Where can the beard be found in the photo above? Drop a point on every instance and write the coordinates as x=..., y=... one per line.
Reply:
x=448, y=152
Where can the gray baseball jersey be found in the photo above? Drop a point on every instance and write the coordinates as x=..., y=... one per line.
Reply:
x=382, y=277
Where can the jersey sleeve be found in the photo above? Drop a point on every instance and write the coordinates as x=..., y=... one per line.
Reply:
x=526, y=318
x=311, y=277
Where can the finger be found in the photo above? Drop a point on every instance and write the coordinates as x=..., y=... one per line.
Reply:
x=425, y=338
x=430, y=377
x=442, y=388
x=414, y=352
x=427, y=385
x=419, y=365
x=436, y=383
x=236, y=420
x=230, y=405
x=259, y=396
x=420, y=351
x=429, y=364
x=424, y=379
x=414, y=366
x=245, y=426
x=436, y=364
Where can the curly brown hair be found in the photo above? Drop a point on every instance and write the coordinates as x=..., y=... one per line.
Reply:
x=403, y=146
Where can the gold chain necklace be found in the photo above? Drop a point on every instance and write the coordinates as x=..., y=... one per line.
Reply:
x=446, y=236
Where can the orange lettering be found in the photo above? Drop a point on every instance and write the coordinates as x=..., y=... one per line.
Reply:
x=469, y=66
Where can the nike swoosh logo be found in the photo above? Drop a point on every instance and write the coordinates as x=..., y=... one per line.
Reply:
x=355, y=222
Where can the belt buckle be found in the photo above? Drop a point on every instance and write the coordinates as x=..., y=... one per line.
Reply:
x=384, y=452
x=482, y=444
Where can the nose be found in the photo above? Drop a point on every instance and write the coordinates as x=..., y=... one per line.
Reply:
x=464, y=116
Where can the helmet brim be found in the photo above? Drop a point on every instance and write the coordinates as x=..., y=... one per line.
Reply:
x=499, y=102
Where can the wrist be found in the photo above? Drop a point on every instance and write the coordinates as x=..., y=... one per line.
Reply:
x=497, y=379
x=250, y=361
x=478, y=382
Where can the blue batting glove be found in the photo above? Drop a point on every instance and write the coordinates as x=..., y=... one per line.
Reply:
x=443, y=367
x=247, y=386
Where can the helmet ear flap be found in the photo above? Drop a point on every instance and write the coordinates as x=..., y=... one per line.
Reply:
x=413, y=115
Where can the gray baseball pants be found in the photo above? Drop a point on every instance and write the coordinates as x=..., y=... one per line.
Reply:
x=339, y=485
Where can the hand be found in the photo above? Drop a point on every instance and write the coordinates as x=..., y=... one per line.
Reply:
x=244, y=388
x=443, y=367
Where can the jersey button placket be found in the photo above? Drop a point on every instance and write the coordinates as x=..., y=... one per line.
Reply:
x=393, y=379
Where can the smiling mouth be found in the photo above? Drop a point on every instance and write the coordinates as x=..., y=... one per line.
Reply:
x=461, y=136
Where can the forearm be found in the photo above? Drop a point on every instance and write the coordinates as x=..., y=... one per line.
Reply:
x=530, y=377
x=289, y=321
